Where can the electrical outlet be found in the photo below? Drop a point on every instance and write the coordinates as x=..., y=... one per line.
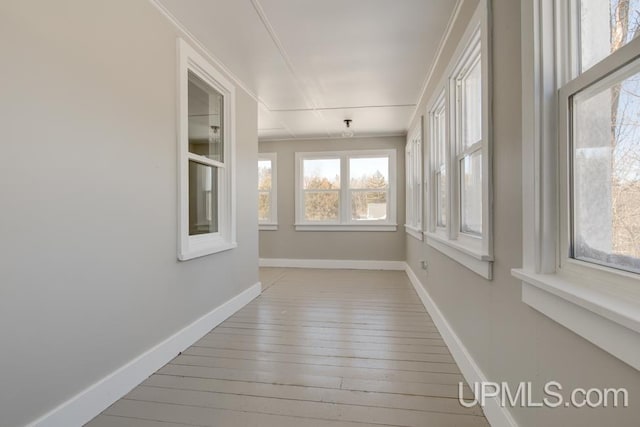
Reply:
x=424, y=265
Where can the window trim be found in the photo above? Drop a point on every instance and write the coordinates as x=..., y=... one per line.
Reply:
x=436, y=164
x=474, y=252
x=344, y=191
x=596, y=302
x=272, y=223
x=414, y=182
x=189, y=247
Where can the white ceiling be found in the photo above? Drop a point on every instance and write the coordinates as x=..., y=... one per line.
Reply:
x=313, y=63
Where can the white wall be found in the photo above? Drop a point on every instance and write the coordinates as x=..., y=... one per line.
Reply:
x=288, y=243
x=88, y=272
x=509, y=340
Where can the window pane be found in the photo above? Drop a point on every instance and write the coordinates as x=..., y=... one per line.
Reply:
x=264, y=175
x=441, y=194
x=206, y=131
x=203, y=199
x=439, y=135
x=471, y=193
x=606, y=172
x=321, y=205
x=369, y=205
x=606, y=26
x=472, y=106
x=264, y=206
x=369, y=172
x=321, y=174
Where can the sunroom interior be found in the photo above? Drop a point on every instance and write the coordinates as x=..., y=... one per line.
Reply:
x=320, y=213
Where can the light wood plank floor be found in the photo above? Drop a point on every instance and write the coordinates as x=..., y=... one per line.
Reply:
x=317, y=348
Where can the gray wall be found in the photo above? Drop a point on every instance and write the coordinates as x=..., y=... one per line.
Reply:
x=509, y=340
x=88, y=272
x=342, y=245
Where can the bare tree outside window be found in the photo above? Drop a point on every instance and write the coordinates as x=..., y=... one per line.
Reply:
x=606, y=142
x=264, y=190
x=321, y=188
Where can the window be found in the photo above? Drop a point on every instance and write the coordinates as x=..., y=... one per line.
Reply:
x=468, y=123
x=267, y=187
x=206, y=147
x=581, y=263
x=459, y=187
x=413, y=168
x=602, y=143
x=346, y=191
x=439, y=159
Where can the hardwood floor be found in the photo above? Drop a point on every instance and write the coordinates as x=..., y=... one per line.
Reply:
x=317, y=348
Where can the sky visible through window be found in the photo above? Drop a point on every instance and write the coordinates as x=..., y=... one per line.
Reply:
x=330, y=168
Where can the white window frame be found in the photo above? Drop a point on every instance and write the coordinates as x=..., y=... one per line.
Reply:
x=596, y=302
x=271, y=224
x=413, y=189
x=438, y=165
x=225, y=238
x=473, y=251
x=344, y=222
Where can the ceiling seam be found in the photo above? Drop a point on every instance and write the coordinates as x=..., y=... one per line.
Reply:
x=216, y=61
x=443, y=41
x=187, y=34
x=298, y=82
x=314, y=138
x=285, y=110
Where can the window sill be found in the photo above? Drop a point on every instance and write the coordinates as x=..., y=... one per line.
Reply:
x=208, y=250
x=608, y=321
x=346, y=227
x=481, y=264
x=268, y=227
x=413, y=232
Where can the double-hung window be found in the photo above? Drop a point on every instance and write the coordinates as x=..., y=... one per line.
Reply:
x=581, y=131
x=206, y=157
x=267, y=187
x=439, y=189
x=459, y=179
x=413, y=168
x=345, y=191
x=467, y=84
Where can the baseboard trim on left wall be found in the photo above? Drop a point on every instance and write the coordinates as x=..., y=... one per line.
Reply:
x=337, y=264
x=84, y=406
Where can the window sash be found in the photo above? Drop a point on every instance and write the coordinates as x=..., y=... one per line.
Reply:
x=438, y=163
x=272, y=218
x=413, y=191
x=461, y=159
x=471, y=57
x=269, y=216
x=350, y=204
x=597, y=76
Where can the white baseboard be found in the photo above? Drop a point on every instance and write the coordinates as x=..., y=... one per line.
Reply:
x=333, y=264
x=496, y=414
x=83, y=407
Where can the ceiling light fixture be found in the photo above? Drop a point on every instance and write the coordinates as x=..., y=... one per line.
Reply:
x=347, y=133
